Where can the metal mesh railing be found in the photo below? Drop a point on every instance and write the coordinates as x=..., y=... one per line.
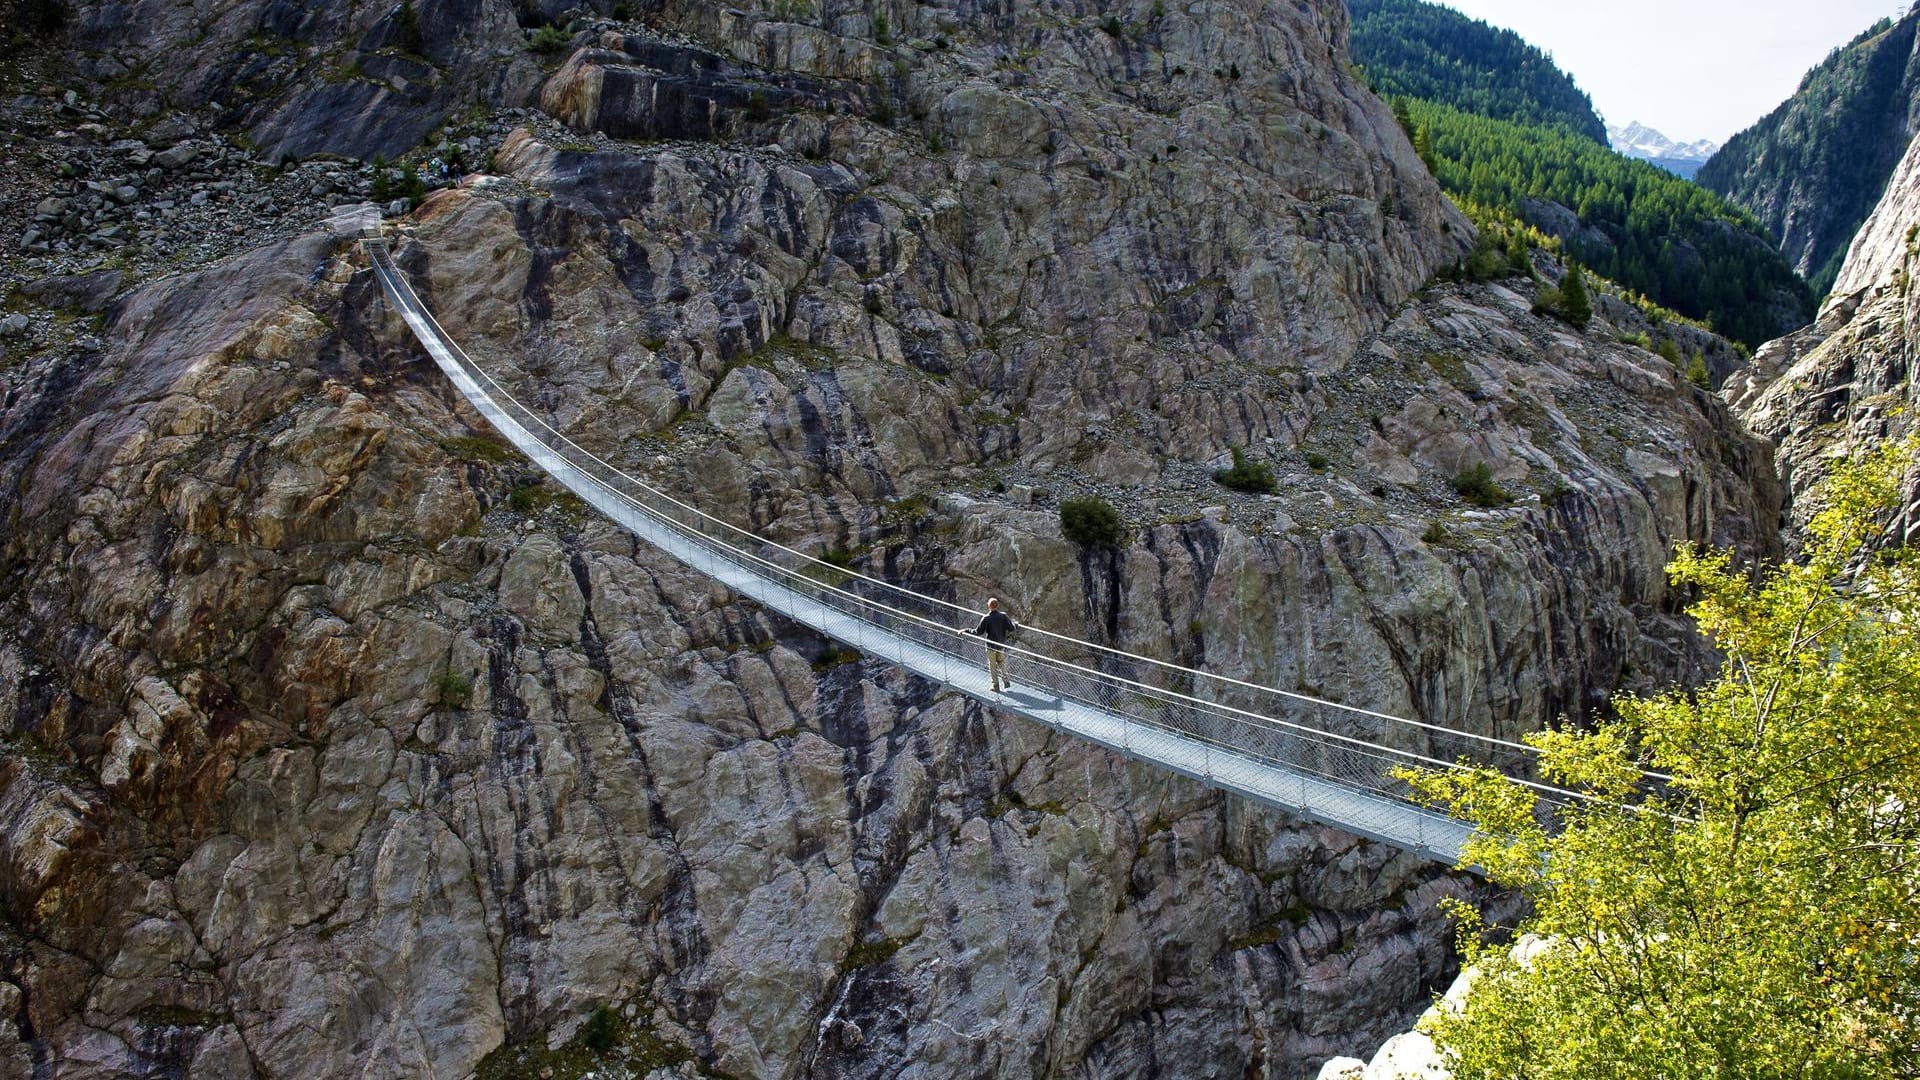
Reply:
x=1326, y=760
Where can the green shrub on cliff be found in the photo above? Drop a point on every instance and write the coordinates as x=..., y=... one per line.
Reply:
x=1476, y=485
x=1092, y=522
x=453, y=689
x=1697, y=372
x=600, y=1030
x=549, y=39
x=1244, y=475
x=1754, y=910
x=406, y=29
x=1570, y=303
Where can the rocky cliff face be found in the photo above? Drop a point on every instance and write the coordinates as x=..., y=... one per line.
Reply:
x=1848, y=382
x=339, y=742
x=1813, y=169
x=353, y=79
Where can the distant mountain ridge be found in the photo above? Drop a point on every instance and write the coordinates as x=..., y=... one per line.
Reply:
x=1814, y=168
x=1421, y=50
x=1636, y=140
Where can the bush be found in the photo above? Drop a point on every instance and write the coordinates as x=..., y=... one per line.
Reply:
x=1246, y=475
x=549, y=39
x=1092, y=522
x=601, y=1030
x=836, y=565
x=1501, y=250
x=526, y=498
x=1475, y=484
x=1697, y=372
x=1317, y=461
x=412, y=187
x=1486, y=262
x=452, y=689
x=1519, y=256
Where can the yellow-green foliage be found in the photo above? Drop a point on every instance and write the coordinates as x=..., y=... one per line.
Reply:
x=1758, y=914
x=1505, y=225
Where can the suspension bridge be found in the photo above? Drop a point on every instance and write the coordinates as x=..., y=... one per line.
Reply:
x=1320, y=760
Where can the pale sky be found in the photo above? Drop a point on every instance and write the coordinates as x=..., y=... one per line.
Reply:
x=1690, y=69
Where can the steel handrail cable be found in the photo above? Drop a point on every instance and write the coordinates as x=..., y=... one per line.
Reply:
x=390, y=275
x=1321, y=735
x=936, y=601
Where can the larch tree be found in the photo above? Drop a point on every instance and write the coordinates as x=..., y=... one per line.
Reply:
x=1740, y=895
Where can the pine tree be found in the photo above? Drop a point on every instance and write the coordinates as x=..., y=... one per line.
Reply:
x=1575, y=305
x=382, y=180
x=407, y=28
x=1423, y=146
x=1402, y=116
x=411, y=185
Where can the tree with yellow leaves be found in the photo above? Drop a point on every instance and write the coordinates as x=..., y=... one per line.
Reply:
x=1741, y=896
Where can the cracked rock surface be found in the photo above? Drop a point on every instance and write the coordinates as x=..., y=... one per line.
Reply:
x=1848, y=383
x=341, y=743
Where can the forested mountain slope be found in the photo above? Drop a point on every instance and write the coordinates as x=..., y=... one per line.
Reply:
x=1628, y=220
x=1422, y=50
x=1813, y=169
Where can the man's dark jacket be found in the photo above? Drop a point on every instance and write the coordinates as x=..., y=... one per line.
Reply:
x=995, y=627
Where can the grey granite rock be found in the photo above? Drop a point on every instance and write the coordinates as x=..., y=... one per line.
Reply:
x=346, y=744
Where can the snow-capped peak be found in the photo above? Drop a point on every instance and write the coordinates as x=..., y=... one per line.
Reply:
x=1640, y=141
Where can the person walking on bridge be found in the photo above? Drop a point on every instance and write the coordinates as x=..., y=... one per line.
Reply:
x=996, y=626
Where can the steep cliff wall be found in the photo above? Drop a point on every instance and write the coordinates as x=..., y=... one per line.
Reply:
x=1848, y=382
x=339, y=742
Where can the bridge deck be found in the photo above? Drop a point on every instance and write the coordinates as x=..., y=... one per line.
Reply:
x=1296, y=791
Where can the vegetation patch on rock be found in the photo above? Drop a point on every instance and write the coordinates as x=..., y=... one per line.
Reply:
x=1476, y=485
x=606, y=1044
x=1092, y=522
x=1252, y=476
